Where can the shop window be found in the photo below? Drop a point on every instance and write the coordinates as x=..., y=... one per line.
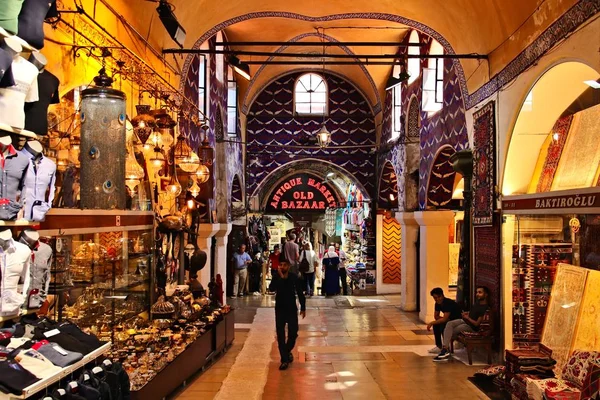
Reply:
x=232, y=111
x=396, y=107
x=433, y=80
x=310, y=95
x=202, y=87
x=414, y=64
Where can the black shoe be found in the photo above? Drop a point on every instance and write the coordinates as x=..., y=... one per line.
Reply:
x=284, y=366
x=290, y=358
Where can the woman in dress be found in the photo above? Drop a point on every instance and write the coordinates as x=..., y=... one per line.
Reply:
x=331, y=261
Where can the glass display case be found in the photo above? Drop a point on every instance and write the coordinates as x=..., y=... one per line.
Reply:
x=101, y=280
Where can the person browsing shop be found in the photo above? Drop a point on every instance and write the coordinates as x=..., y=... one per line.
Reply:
x=470, y=322
x=274, y=260
x=308, y=263
x=291, y=251
x=445, y=310
x=286, y=286
x=240, y=260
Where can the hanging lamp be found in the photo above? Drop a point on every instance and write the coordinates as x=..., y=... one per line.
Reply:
x=202, y=174
x=205, y=151
x=323, y=137
x=174, y=187
x=195, y=188
x=143, y=123
x=184, y=156
x=134, y=173
x=157, y=159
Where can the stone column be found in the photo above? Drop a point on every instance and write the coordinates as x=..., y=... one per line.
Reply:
x=205, y=233
x=221, y=262
x=409, y=232
x=433, y=257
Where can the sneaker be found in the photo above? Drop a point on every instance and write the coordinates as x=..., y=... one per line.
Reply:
x=291, y=358
x=256, y=294
x=240, y=295
x=443, y=356
x=232, y=297
x=284, y=366
x=434, y=350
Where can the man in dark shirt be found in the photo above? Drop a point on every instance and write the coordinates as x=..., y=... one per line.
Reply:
x=445, y=310
x=469, y=323
x=286, y=286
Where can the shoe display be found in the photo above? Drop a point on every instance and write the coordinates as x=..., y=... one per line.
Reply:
x=434, y=350
x=284, y=366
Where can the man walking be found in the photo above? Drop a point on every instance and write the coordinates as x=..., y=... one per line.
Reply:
x=291, y=252
x=469, y=323
x=286, y=286
x=240, y=260
x=342, y=269
x=445, y=310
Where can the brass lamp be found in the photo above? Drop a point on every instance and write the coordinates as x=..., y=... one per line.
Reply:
x=323, y=137
x=185, y=157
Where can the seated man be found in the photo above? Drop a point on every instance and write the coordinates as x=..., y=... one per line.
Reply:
x=469, y=323
x=450, y=312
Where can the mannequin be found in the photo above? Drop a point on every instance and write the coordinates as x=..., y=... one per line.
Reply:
x=18, y=141
x=9, y=49
x=15, y=264
x=13, y=98
x=13, y=169
x=41, y=263
x=36, y=113
x=39, y=182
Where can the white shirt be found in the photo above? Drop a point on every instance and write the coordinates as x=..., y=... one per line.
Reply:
x=13, y=98
x=14, y=263
x=40, y=179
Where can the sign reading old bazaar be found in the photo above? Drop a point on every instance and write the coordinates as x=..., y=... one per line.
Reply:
x=301, y=192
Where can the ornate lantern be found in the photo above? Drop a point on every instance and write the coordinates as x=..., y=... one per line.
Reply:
x=323, y=137
x=185, y=157
x=144, y=123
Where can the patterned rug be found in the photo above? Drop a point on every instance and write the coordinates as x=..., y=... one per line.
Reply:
x=392, y=245
x=554, y=152
x=487, y=262
x=484, y=165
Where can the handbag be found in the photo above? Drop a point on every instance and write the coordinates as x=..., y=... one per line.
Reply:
x=304, y=264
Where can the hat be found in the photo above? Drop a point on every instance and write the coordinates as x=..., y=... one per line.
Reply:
x=17, y=131
x=6, y=76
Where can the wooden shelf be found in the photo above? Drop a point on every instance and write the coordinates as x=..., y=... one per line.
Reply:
x=20, y=222
x=44, y=383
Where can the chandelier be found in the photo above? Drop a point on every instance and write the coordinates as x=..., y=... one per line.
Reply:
x=185, y=157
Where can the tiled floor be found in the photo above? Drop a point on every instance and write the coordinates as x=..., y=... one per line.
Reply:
x=370, y=351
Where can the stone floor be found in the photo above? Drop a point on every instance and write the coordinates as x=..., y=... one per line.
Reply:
x=348, y=348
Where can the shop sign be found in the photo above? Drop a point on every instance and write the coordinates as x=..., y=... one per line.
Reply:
x=552, y=202
x=301, y=192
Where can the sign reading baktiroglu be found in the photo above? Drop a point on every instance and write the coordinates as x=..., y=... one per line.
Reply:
x=301, y=192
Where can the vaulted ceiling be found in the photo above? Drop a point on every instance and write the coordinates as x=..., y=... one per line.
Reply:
x=500, y=28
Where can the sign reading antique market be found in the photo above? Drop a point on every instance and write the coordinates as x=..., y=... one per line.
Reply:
x=301, y=192
x=570, y=201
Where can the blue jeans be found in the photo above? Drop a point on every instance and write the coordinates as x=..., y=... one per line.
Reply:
x=309, y=279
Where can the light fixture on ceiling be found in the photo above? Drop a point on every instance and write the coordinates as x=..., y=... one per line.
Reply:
x=169, y=20
x=330, y=174
x=593, y=84
x=393, y=81
x=555, y=137
x=241, y=68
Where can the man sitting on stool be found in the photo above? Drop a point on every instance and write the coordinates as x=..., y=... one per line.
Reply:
x=450, y=312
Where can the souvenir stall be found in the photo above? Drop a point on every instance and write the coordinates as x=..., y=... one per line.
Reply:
x=101, y=272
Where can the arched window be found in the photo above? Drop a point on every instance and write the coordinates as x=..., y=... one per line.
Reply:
x=396, y=106
x=310, y=95
x=433, y=80
x=414, y=64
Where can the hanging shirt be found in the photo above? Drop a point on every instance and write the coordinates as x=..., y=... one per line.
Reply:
x=41, y=262
x=36, y=114
x=39, y=187
x=14, y=263
x=14, y=169
x=13, y=98
x=31, y=21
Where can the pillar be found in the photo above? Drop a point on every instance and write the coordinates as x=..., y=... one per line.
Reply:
x=205, y=233
x=409, y=231
x=221, y=262
x=433, y=271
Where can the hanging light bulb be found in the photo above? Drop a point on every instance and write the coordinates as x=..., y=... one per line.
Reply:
x=166, y=137
x=158, y=158
x=190, y=200
x=154, y=141
x=134, y=173
x=174, y=187
x=195, y=188
x=323, y=137
x=202, y=174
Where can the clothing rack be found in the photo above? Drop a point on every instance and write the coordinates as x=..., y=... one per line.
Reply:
x=45, y=383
